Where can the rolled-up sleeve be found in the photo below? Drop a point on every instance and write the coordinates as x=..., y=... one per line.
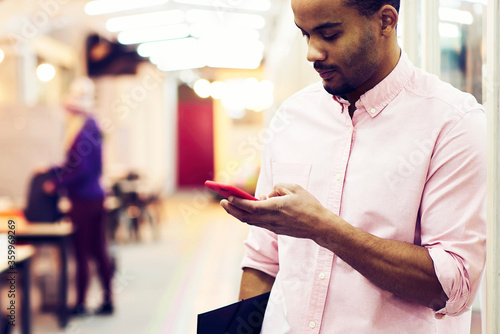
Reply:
x=453, y=210
x=261, y=251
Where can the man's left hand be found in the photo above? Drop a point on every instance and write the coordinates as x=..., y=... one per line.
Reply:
x=289, y=210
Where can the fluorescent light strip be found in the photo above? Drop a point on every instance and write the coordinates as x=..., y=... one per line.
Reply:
x=210, y=30
x=139, y=21
x=153, y=34
x=202, y=16
x=153, y=48
x=99, y=7
x=193, y=53
x=245, y=56
x=255, y=5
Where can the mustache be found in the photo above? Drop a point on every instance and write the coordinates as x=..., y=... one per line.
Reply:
x=324, y=67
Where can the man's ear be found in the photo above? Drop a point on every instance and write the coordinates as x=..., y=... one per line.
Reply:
x=388, y=17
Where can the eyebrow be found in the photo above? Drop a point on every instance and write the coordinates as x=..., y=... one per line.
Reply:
x=323, y=26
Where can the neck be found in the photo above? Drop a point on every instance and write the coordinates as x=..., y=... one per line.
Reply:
x=387, y=65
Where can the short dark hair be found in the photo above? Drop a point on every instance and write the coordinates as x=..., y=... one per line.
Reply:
x=369, y=7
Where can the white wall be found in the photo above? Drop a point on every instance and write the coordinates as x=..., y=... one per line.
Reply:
x=136, y=121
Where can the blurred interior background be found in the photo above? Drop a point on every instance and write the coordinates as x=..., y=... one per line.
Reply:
x=184, y=91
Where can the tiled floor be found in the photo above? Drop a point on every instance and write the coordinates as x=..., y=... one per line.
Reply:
x=161, y=285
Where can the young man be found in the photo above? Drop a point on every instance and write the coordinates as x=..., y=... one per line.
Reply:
x=375, y=216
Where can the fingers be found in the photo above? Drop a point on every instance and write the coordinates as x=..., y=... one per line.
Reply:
x=243, y=204
x=283, y=189
x=234, y=210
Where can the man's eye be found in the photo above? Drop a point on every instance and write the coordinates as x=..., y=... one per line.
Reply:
x=330, y=37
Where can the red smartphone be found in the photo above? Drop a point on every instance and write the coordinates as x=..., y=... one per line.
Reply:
x=227, y=190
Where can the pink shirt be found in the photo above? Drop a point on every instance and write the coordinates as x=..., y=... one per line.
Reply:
x=409, y=166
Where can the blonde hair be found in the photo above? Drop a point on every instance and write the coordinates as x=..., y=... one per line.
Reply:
x=81, y=95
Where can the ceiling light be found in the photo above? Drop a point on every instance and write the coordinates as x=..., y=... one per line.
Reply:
x=195, y=53
x=233, y=54
x=181, y=64
x=98, y=7
x=173, y=55
x=256, y=5
x=210, y=30
x=225, y=18
x=202, y=88
x=45, y=72
x=217, y=89
x=139, y=21
x=153, y=34
x=171, y=46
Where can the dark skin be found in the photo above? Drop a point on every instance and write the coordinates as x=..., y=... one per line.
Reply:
x=401, y=268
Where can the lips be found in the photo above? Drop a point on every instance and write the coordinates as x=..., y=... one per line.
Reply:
x=326, y=74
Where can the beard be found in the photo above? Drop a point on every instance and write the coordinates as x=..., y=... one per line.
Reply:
x=359, y=66
x=339, y=90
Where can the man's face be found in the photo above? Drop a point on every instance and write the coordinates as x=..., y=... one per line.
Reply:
x=341, y=43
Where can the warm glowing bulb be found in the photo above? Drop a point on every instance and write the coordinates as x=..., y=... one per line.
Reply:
x=45, y=72
x=217, y=89
x=202, y=88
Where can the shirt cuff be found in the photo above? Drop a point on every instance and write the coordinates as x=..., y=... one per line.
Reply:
x=454, y=281
x=261, y=251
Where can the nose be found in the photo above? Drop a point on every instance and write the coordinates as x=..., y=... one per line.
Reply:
x=315, y=52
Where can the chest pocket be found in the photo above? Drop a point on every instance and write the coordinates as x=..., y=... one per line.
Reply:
x=293, y=173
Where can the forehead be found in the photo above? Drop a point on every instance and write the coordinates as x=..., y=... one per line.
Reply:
x=311, y=13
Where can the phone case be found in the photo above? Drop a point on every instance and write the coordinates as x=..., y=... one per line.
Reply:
x=227, y=190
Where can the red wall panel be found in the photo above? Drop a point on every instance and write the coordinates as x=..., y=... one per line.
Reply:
x=195, y=143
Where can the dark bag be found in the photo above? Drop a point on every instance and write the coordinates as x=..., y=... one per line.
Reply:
x=242, y=317
x=41, y=207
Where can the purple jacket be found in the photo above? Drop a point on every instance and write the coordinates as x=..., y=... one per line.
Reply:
x=81, y=171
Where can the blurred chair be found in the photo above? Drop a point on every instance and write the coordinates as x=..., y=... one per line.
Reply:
x=128, y=202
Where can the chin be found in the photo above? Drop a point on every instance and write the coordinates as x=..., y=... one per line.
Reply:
x=337, y=90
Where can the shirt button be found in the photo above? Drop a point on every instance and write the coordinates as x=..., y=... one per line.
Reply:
x=338, y=177
x=373, y=110
x=312, y=324
x=322, y=276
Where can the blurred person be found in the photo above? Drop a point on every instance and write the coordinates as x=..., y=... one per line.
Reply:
x=372, y=218
x=79, y=176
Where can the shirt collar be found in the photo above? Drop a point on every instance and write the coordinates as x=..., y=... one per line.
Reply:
x=377, y=98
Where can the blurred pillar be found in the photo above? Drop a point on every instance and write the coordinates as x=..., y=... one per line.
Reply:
x=492, y=88
x=431, y=46
x=170, y=105
x=409, y=15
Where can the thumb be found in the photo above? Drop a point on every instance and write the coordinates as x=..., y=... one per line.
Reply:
x=282, y=189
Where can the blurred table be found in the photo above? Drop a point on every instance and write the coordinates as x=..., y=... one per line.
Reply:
x=56, y=234
x=22, y=260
